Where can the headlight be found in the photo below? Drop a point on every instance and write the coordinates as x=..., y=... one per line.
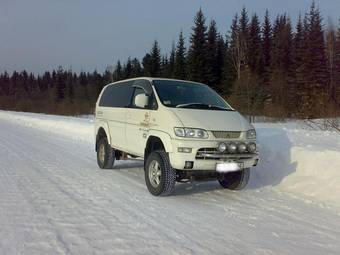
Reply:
x=251, y=134
x=191, y=133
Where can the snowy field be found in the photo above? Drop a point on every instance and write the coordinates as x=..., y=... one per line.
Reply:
x=55, y=200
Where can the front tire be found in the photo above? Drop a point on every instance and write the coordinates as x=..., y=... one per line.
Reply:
x=160, y=177
x=235, y=180
x=105, y=154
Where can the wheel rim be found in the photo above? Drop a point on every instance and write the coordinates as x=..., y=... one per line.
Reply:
x=101, y=153
x=155, y=173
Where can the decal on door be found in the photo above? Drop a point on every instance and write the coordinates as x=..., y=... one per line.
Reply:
x=147, y=121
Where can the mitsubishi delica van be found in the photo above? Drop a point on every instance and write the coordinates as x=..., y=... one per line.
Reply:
x=183, y=130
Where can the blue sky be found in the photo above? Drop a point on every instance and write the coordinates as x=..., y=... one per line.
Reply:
x=38, y=35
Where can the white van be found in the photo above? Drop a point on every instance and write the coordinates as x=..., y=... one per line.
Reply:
x=183, y=130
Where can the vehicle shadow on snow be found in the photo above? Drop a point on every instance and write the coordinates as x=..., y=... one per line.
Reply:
x=275, y=163
x=183, y=189
x=127, y=164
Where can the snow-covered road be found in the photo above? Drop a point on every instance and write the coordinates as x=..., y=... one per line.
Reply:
x=55, y=200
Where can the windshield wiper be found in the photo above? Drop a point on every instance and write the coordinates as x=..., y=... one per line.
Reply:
x=219, y=108
x=186, y=105
x=208, y=106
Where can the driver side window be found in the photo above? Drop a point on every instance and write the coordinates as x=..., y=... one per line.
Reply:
x=144, y=87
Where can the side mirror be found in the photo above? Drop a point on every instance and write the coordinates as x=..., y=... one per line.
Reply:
x=141, y=100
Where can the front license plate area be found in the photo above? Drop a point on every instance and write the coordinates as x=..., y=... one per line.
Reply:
x=226, y=167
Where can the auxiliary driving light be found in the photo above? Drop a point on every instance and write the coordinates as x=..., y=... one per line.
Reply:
x=232, y=147
x=242, y=147
x=222, y=147
x=251, y=147
x=184, y=149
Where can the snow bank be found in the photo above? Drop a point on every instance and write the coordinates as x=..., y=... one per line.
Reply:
x=302, y=162
x=76, y=128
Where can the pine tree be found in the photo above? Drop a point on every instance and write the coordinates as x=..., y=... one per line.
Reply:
x=83, y=80
x=254, y=46
x=266, y=49
x=165, y=67
x=53, y=79
x=254, y=87
x=299, y=54
x=330, y=52
x=70, y=86
x=337, y=68
x=136, y=68
x=197, y=49
x=180, y=68
x=155, y=55
x=229, y=74
x=244, y=22
x=61, y=84
x=108, y=74
x=127, y=70
x=170, y=73
x=234, y=52
x=118, y=72
x=98, y=82
x=147, y=65
x=220, y=58
x=238, y=43
x=25, y=83
x=244, y=34
x=31, y=83
x=14, y=82
x=46, y=81
x=243, y=88
x=282, y=81
x=317, y=77
x=211, y=75
x=291, y=103
x=5, y=84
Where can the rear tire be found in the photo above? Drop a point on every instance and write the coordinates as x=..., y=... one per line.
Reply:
x=235, y=180
x=160, y=177
x=105, y=154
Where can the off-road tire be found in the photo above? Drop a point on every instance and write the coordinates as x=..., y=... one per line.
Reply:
x=107, y=161
x=168, y=174
x=235, y=180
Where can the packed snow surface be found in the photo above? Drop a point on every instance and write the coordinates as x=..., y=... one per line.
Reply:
x=55, y=200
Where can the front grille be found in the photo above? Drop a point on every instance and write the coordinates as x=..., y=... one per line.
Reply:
x=227, y=134
x=214, y=154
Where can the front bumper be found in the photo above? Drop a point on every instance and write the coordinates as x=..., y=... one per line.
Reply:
x=207, y=160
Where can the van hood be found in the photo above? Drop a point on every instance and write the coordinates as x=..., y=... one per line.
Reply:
x=212, y=119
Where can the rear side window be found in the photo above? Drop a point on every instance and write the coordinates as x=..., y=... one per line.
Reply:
x=117, y=95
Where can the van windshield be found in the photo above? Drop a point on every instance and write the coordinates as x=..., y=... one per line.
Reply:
x=182, y=94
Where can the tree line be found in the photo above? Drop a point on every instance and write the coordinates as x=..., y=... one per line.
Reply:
x=269, y=67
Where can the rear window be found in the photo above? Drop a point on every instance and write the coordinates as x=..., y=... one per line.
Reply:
x=117, y=95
